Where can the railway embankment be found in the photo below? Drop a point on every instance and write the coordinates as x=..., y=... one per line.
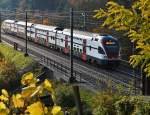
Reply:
x=12, y=65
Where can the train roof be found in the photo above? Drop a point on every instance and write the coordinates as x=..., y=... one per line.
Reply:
x=10, y=21
x=24, y=23
x=80, y=34
x=44, y=27
x=76, y=33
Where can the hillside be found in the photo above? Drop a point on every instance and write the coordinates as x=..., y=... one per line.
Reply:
x=8, y=4
x=56, y=5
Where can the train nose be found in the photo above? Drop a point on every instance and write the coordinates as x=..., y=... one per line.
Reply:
x=105, y=57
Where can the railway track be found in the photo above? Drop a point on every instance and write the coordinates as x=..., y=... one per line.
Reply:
x=90, y=74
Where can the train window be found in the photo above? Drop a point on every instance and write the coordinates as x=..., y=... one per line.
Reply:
x=61, y=40
x=96, y=39
x=80, y=50
x=74, y=48
x=77, y=49
x=100, y=50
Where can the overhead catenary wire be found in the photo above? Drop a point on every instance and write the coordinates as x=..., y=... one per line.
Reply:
x=55, y=18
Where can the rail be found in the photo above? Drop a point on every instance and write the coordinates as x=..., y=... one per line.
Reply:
x=95, y=80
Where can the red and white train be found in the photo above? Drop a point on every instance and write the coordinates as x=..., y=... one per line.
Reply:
x=102, y=49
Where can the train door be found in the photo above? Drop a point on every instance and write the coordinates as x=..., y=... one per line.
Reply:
x=32, y=32
x=13, y=28
x=47, y=39
x=17, y=28
x=84, y=50
x=66, y=49
x=56, y=40
x=36, y=38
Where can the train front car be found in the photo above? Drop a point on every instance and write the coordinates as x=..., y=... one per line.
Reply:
x=112, y=50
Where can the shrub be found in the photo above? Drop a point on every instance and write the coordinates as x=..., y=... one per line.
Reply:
x=14, y=56
x=34, y=99
x=104, y=104
x=7, y=72
x=65, y=97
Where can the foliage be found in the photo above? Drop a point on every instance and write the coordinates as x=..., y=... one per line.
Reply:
x=113, y=104
x=29, y=100
x=7, y=71
x=65, y=96
x=87, y=100
x=133, y=106
x=10, y=62
x=135, y=22
x=1, y=55
x=46, y=21
x=103, y=104
x=15, y=57
x=65, y=99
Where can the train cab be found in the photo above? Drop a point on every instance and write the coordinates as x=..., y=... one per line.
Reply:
x=111, y=49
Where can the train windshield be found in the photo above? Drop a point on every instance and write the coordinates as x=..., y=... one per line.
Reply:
x=111, y=47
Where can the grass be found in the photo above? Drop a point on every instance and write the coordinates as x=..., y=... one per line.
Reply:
x=15, y=56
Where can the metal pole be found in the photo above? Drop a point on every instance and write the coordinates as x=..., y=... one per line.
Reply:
x=26, y=52
x=72, y=78
x=143, y=81
x=84, y=15
x=71, y=41
x=133, y=68
x=77, y=100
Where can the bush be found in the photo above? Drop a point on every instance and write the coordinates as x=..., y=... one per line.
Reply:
x=10, y=62
x=14, y=56
x=133, y=105
x=34, y=99
x=7, y=72
x=104, y=104
x=65, y=97
x=87, y=100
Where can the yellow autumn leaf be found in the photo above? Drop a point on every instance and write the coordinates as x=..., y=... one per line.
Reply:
x=5, y=93
x=35, y=109
x=2, y=106
x=3, y=109
x=56, y=110
x=18, y=101
x=53, y=97
x=3, y=98
x=48, y=85
x=27, y=79
x=45, y=110
x=27, y=92
x=3, y=113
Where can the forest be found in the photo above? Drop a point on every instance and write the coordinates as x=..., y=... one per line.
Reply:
x=57, y=5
